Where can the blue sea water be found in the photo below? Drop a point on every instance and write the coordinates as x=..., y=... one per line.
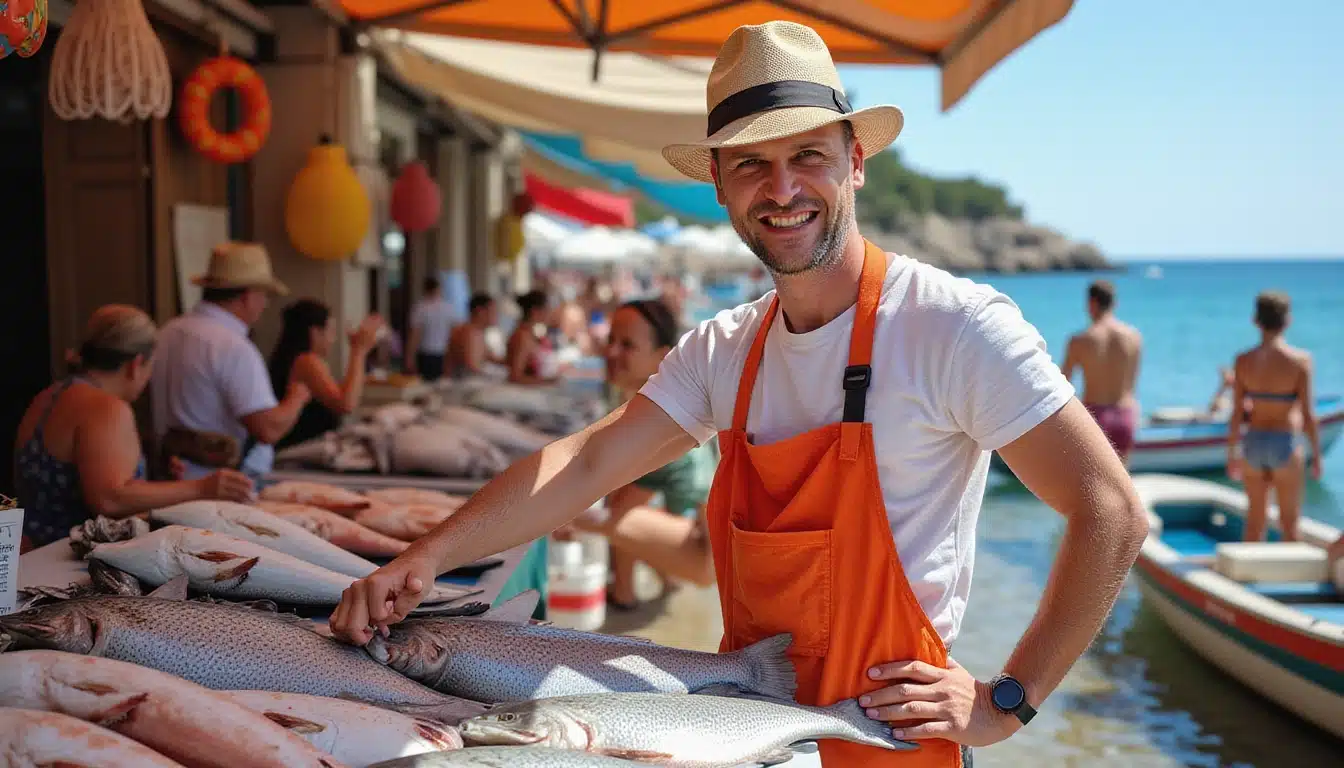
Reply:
x=1139, y=696
x=1196, y=317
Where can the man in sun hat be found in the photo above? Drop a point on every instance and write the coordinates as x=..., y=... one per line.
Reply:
x=212, y=400
x=855, y=407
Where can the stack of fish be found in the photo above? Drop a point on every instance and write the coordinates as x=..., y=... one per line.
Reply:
x=403, y=514
x=430, y=438
x=240, y=685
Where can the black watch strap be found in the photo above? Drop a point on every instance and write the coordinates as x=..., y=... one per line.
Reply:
x=1025, y=712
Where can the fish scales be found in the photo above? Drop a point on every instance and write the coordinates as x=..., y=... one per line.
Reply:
x=680, y=730
x=495, y=661
x=226, y=647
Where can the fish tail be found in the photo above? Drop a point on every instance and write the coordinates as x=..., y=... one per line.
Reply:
x=872, y=732
x=769, y=669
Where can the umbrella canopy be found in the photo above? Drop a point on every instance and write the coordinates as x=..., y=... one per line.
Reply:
x=964, y=38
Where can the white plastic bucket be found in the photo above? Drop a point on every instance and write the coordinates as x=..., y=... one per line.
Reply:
x=576, y=594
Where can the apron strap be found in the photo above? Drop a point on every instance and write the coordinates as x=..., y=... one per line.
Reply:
x=751, y=366
x=857, y=375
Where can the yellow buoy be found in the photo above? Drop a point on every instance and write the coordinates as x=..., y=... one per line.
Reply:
x=327, y=211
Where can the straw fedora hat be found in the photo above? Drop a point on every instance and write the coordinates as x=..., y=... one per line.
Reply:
x=775, y=80
x=240, y=265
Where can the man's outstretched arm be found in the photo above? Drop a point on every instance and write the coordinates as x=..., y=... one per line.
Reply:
x=527, y=501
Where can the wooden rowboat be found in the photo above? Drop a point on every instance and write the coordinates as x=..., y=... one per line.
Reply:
x=1266, y=613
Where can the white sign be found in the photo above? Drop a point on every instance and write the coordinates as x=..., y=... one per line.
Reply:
x=197, y=229
x=11, y=531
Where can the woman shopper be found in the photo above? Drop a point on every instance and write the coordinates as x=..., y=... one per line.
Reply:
x=669, y=537
x=306, y=336
x=78, y=452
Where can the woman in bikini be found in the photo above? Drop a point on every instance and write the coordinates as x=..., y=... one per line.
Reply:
x=1275, y=380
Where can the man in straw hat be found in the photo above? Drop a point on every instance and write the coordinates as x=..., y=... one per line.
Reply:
x=855, y=406
x=212, y=399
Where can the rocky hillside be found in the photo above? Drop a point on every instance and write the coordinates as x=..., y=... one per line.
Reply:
x=996, y=244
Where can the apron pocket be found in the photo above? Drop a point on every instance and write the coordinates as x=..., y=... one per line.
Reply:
x=782, y=583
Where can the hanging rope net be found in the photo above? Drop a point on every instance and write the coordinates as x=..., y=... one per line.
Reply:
x=109, y=63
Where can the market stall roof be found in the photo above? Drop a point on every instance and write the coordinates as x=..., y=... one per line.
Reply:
x=559, y=156
x=639, y=103
x=590, y=206
x=963, y=38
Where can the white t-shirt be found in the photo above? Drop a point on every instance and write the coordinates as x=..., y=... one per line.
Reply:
x=207, y=376
x=434, y=318
x=957, y=372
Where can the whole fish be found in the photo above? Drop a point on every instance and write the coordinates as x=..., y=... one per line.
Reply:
x=356, y=734
x=226, y=647
x=226, y=566
x=338, y=500
x=513, y=438
x=406, y=522
x=177, y=718
x=399, y=496
x=30, y=738
x=261, y=527
x=339, y=530
x=508, y=757
x=676, y=729
x=502, y=661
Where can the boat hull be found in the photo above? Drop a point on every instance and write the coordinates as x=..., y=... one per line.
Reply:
x=1211, y=639
x=1290, y=650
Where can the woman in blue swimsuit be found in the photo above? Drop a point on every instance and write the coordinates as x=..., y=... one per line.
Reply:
x=1274, y=379
x=78, y=453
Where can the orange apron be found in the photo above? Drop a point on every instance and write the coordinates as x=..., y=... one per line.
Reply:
x=801, y=544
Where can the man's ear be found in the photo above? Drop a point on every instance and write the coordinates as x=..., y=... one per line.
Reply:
x=714, y=174
x=856, y=159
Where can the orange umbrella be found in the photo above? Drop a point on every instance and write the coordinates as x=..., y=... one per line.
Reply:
x=963, y=38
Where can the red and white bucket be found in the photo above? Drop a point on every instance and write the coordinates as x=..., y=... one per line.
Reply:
x=576, y=593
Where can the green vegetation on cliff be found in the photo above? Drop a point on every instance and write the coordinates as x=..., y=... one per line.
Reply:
x=892, y=189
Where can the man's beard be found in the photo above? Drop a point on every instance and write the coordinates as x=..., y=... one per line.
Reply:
x=826, y=252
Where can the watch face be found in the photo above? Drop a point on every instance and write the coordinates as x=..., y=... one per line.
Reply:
x=1008, y=694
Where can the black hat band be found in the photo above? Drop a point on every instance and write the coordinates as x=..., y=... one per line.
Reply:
x=777, y=95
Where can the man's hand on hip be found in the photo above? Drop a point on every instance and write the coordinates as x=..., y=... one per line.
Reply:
x=928, y=702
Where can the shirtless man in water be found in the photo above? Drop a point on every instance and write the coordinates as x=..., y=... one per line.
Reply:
x=1108, y=352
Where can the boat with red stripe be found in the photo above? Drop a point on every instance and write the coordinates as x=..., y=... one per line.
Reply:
x=1270, y=614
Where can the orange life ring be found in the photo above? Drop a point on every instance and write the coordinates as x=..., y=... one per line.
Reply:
x=194, y=110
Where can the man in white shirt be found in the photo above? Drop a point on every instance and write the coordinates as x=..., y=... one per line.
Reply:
x=431, y=322
x=856, y=407
x=210, y=393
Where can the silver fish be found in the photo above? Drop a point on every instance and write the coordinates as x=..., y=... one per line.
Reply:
x=226, y=648
x=103, y=529
x=356, y=734
x=507, y=757
x=261, y=527
x=674, y=729
x=226, y=566
x=500, y=661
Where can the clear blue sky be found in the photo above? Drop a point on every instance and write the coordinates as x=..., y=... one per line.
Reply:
x=1154, y=127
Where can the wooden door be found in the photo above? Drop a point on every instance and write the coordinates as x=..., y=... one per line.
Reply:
x=98, y=221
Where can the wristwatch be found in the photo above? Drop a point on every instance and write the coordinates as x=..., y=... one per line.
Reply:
x=1010, y=698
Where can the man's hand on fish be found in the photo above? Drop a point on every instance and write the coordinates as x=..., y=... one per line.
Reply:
x=382, y=598
x=927, y=702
